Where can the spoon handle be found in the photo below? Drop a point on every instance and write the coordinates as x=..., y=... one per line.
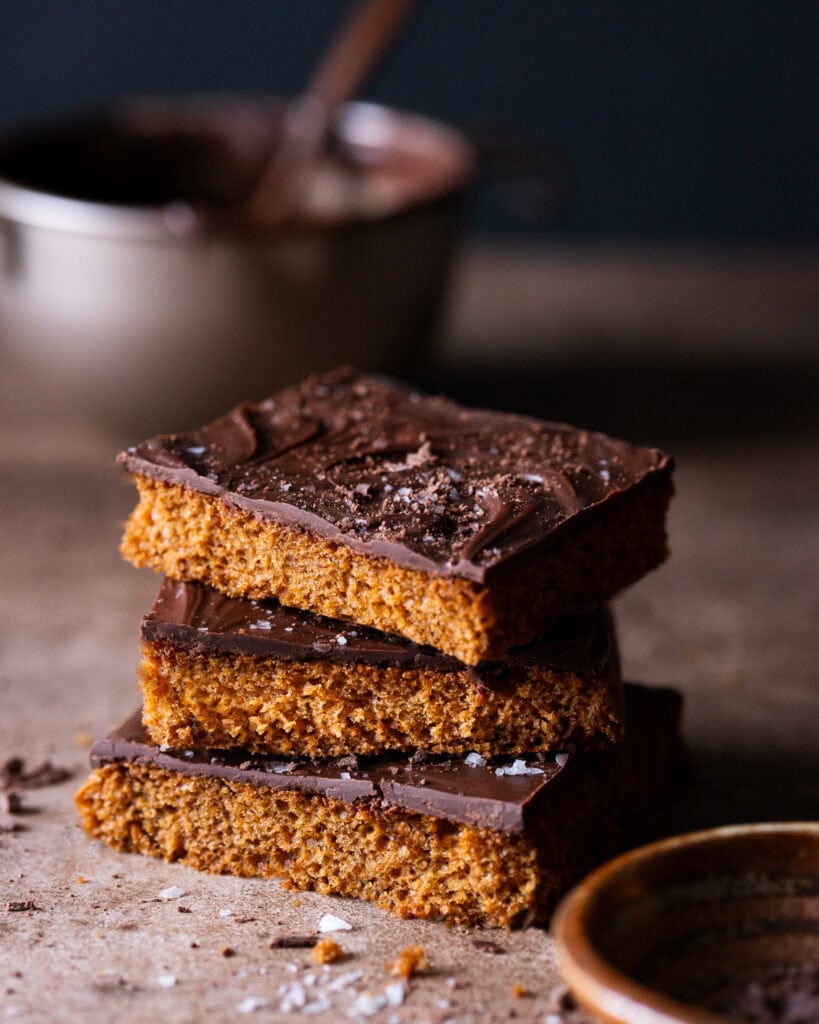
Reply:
x=352, y=55
x=356, y=50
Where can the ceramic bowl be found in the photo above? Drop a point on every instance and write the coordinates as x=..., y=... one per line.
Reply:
x=705, y=927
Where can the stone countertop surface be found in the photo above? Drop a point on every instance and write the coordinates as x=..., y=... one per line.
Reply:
x=730, y=621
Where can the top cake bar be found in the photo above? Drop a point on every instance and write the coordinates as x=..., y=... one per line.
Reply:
x=357, y=498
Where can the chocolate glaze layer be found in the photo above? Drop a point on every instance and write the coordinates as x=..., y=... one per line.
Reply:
x=393, y=473
x=204, y=621
x=450, y=789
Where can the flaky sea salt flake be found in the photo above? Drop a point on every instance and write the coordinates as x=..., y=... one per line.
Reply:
x=367, y=1005
x=173, y=892
x=344, y=981
x=331, y=923
x=251, y=1003
x=317, y=1005
x=518, y=767
x=395, y=993
x=294, y=998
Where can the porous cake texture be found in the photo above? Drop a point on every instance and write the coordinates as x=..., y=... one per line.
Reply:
x=221, y=672
x=462, y=840
x=358, y=499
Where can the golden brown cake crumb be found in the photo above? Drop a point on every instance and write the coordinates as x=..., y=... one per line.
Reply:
x=520, y=991
x=327, y=951
x=408, y=962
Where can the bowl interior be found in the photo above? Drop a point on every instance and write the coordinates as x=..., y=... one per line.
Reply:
x=211, y=151
x=720, y=923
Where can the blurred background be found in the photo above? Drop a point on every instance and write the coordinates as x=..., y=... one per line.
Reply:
x=680, y=121
x=646, y=203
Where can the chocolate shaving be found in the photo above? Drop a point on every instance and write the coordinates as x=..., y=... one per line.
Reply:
x=487, y=946
x=561, y=1000
x=11, y=802
x=293, y=941
x=13, y=775
x=16, y=906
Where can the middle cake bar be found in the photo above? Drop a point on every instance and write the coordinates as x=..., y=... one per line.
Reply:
x=220, y=671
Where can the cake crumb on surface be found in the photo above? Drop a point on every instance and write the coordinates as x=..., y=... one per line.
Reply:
x=408, y=962
x=327, y=951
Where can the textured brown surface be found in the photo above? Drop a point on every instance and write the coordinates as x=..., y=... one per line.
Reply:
x=188, y=535
x=730, y=620
x=324, y=709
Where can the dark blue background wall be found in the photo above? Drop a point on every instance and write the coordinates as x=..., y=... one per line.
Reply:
x=692, y=119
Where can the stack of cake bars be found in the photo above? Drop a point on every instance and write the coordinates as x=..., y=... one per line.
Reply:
x=380, y=664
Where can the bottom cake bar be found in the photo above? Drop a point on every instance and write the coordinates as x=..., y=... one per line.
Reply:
x=468, y=841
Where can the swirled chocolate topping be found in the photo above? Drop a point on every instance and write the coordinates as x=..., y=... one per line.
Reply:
x=202, y=620
x=393, y=473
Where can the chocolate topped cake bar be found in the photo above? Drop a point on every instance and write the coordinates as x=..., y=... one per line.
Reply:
x=356, y=498
x=465, y=839
x=221, y=671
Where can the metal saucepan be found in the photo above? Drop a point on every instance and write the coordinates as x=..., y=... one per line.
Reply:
x=133, y=290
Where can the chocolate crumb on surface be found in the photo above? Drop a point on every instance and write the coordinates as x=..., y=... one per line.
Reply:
x=293, y=941
x=561, y=1000
x=11, y=802
x=13, y=775
x=487, y=946
x=16, y=906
